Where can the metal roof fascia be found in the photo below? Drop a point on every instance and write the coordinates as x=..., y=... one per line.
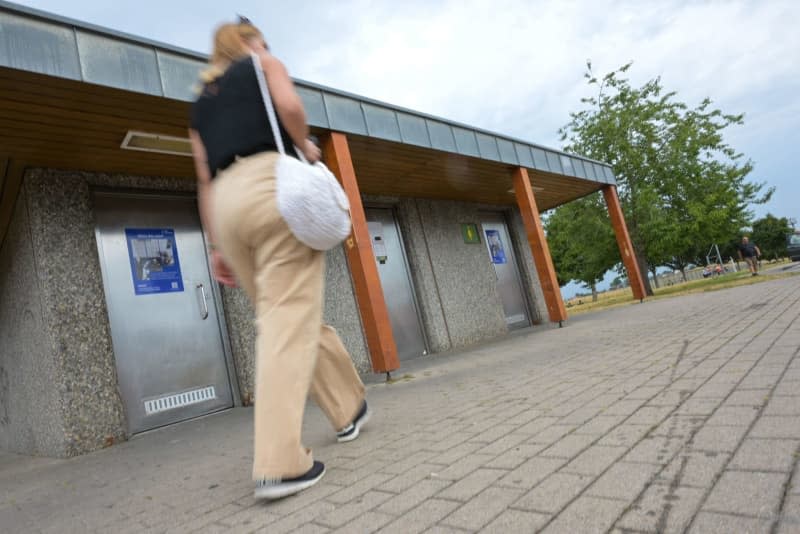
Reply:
x=94, y=28
x=202, y=58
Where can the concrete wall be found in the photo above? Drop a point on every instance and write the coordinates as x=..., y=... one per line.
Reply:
x=423, y=276
x=63, y=236
x=67, y=352
x=463, y=306
x=58, y=384
x=341, y=312
x=341, y=308
x=465, y=276
x=31, y=416
x=68, y=356
x=530, y=276
x=242, y=334
x=455, y=282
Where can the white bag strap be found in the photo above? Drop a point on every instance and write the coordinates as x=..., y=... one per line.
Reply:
x=273, y=119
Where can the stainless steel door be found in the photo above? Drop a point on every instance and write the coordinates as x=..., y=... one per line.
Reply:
x=165, y=329
x=396, y=282
x=509, y=284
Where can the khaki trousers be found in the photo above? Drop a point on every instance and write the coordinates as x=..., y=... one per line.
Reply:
x=295, y=353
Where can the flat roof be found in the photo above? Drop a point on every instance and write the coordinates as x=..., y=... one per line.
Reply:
x=41, y=42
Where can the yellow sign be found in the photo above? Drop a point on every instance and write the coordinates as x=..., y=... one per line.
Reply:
x=470, y=233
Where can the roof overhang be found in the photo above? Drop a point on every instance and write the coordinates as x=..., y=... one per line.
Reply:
x=71, y=92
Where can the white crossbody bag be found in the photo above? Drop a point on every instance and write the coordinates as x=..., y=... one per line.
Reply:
x=310, y=198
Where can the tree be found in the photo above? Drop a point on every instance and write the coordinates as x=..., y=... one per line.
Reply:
x=581, y=242
x=770, y=233
x=618, y=282
x=681, y=186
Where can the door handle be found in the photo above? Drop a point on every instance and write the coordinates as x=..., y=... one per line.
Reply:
x=204, y=303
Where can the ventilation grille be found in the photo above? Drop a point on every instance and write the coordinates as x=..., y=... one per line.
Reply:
x=179, y=400
x=535, y=188
x=516, y=318
x=161, y=144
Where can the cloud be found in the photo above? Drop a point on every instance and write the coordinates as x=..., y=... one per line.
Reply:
x=516, y=66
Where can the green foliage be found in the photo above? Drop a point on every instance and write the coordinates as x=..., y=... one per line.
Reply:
x=770, y=233
x=581, y=241
x=681, y=186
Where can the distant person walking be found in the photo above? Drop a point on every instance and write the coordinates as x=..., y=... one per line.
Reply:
x=750, y=253
x=235, y=155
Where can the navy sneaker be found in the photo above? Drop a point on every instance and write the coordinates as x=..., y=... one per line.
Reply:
x=351, y=431
x=278, y=488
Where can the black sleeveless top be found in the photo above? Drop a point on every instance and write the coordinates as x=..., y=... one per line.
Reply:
x=230, y=117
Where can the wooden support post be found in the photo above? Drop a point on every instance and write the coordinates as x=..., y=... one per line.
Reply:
x=538, y=244
x=367, y=284
x=624, y=242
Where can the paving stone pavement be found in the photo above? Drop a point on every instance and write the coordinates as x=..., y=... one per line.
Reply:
x=677, y=415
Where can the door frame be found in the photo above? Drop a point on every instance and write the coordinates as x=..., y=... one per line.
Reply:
x=392, y=208
x=526, y=290
x=222, y=325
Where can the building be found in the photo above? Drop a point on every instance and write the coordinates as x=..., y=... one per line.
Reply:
x=109, y=321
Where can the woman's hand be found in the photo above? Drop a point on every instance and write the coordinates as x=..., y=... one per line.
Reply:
x=311, y=151
x=222, y=273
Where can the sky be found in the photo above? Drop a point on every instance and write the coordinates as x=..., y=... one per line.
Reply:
x=516, y=66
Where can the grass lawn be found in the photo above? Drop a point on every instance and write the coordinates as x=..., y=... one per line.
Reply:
x=622, y=297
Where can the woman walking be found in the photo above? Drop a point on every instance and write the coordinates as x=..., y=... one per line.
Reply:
x=296, y=355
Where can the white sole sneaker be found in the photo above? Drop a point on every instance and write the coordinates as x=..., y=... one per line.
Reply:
x=350, y=435
x=278, y=489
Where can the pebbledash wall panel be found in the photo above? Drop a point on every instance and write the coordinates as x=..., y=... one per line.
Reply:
x=58, y=383
x=68, y=361
x=528, y=272
x=31, y=418
x=463, y=277
x=340, y=311
x=454, y=281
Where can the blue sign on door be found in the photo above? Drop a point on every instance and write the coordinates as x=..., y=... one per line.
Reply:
x=495, y=246
x=154, y=260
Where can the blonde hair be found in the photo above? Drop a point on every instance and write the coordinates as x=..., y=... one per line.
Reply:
x=229, y=45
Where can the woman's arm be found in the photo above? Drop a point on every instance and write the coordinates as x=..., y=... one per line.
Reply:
x=203, y=182
x=220, y=270
x=288, y=105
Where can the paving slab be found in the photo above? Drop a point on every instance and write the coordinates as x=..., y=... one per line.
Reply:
x=766, y=455
x=483, y=508
x=554, y=493
x=587, y=515
x=516, y=521
x=694, y=469
x=618, y=422
x=790, y=518
x=624, y=481
x=713, y=523
x=663, y=509
x=749, y=493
